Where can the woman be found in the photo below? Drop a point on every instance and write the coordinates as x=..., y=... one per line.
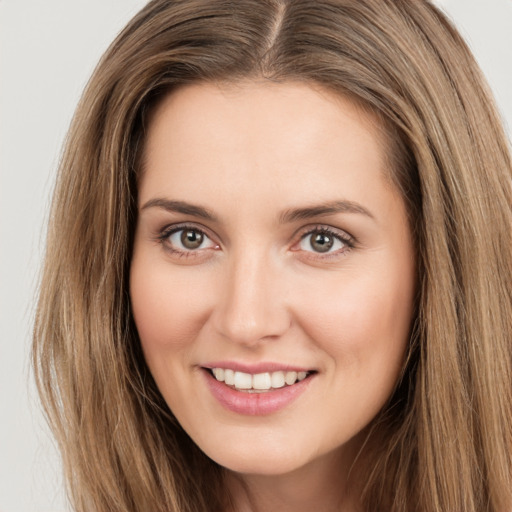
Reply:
x=278, y=266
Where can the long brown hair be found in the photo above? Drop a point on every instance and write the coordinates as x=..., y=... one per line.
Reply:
x=447, y=432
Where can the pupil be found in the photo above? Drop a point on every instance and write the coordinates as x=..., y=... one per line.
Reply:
x=322, y=242
x=191, y=239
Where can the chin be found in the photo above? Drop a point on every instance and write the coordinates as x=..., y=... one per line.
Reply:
x=257, y=465
x=259, y=456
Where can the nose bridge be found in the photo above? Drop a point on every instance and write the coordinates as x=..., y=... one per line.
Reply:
x=253, y=305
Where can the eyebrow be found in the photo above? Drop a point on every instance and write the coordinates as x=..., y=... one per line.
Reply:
x=180, y=207
x=288, y=216
x=330, y=208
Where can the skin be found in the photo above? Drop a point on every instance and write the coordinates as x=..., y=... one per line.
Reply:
x=258, y=290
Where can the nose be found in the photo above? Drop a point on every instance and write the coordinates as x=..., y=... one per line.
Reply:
x=252, y=304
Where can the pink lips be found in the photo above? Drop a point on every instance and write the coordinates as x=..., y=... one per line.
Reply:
x=254, y=404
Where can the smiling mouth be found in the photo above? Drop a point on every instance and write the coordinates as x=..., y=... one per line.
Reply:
x=259, y=382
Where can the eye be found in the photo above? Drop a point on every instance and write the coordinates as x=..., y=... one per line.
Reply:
x=186, y=239
x=325, y=241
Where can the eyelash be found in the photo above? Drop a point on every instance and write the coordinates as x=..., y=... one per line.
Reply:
x=347, y=240
x=165, y=233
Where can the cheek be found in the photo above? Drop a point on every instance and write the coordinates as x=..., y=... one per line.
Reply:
x=166, y=310
x=362, y=320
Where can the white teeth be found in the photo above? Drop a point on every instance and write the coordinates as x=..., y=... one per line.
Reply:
x=290, y=378
x=258, y=381
x=243, y=380
x=229, y=377
x=277, y=379
x=219, y=374
x=261, y=381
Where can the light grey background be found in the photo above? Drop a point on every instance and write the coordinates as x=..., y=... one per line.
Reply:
x=48, y=49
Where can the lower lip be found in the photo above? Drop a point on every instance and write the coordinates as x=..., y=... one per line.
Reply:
x=255, y=404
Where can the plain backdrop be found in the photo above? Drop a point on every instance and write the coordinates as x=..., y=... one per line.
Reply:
x=48, y=49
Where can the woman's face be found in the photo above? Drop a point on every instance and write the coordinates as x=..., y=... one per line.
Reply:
x=272, y=279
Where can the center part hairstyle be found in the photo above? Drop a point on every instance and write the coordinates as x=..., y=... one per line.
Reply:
x=445, y=437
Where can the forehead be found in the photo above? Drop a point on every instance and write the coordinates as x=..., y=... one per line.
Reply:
x=289, y=130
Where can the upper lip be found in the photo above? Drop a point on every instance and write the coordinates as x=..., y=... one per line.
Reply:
x=255, y=368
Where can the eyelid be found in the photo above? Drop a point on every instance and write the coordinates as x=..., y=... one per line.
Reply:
x=346, y=238
x=164, y=233
x=172, y=228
